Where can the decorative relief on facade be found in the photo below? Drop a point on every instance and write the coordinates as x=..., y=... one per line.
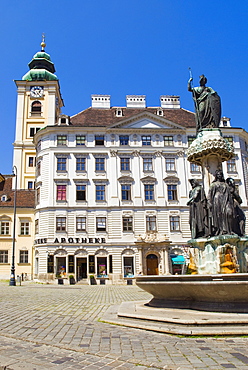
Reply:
x=148, y=180
x=153, y=237
x=171, y=180
x=60, y=252
x=101, y=252
x=136, y=153
x=113, y=153
x=81, y=252
x=128, y=252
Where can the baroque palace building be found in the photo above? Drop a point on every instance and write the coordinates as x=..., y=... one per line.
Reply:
x=111, y=182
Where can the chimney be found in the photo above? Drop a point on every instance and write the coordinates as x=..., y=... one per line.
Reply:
x=136, y=101
x=100, y=101
x=170, y=101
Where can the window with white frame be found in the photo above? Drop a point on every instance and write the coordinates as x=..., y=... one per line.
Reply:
x=170, y=164
x=30, y=185
x=195, y=167
x=125, y=164
x=100, y=192
x=124, y=140
x=24, y=228
x=80, y=224
x=172, y=192
x=80, y=164
x=61, y=140
x=61, y=192
x=38, y=168
x=4, y=258
x=80, y=192
x=125, y=192
x=168, y=140
x=31, y=161
x=174, y=223
x=60, y=223
x=24, y=256
x=191, y=139
x=61, y=164
x=5, y=227
x=127, y=223
x=36, y=226
x=80, y=140
x=149, y=191
x=151, y=223
x=146, y=140
x=99, y=140
x=100, y=164
x=101, y=224
x=36, y=107
x=147, y=164
x=33, y=131
x=231, y=165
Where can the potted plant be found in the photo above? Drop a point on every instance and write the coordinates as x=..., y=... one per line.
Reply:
x=92, y=280
x=72, y=280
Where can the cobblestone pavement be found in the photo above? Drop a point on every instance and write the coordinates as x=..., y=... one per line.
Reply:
x=58, y=327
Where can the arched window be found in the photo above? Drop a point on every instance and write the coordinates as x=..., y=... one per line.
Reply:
x=36, y=107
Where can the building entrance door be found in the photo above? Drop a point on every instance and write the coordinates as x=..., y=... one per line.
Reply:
x=152, y=264
x=81, y=268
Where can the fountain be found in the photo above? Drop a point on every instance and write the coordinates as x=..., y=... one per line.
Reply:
x=218, y=247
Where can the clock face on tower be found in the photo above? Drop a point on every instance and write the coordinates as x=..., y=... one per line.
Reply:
x=36, y=91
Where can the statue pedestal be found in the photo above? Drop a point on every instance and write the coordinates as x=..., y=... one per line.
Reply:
x=223, y=254
x=209, y=150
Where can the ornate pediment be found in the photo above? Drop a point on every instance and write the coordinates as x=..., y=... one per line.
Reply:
x=146, y=120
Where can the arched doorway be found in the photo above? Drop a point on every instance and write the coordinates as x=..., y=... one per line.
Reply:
x=152, y=264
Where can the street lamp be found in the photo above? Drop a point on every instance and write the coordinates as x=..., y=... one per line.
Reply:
x=12, y=281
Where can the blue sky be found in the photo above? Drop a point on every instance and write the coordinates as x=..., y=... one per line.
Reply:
x=121, y=47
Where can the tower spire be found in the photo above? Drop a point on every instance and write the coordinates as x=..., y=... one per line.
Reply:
x=43, y=44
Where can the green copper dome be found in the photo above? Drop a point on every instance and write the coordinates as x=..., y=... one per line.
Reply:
x=41, y=67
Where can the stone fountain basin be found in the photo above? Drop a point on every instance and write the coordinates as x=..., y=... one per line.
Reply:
x=219, y=293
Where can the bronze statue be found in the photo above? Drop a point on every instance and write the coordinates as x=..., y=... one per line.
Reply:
x=207, y=105
x=221, y=206
x=239, y=220
x=198, y=216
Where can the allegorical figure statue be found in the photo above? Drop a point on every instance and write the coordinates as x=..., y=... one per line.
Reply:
x=207, y=105
x=239, y=220
x=198, y=215
x=221, y=206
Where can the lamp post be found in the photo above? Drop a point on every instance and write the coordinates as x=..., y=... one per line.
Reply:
x=12, y=281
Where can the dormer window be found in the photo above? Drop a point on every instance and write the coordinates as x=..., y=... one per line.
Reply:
x=160, y=112
x=118, y=112
x=4, y=198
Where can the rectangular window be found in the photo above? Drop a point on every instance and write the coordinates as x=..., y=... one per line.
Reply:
x=80, y=164
x=33, y=131
x=61, y=140
x=61, y=192
x=91, y=264
x=125, y=192
x=191, y=139
x=168, y=140
x=81, y=192
x=5, y=228
x=100, y=164
x=127, y=223
x=38, y=167
x=30, y=185
x=3, y=256
x=195, y=167
x=150, y=223
x=101, y=266
x=170, y=164
x=149, y=192
x=124, y=139
x=146, y=140
x=60, y=223
x=231, y=165
x=24, y=228
x=100, y=192
x=147, y=164
x=80, y=140
x=23, y=256
x=38, y=196
x=128, y=267
x=71, y=264
x=174, y=223
x=125, y=164
x=81, y=224
x=50, y=264
x=31, y=161
x=36, y=224
x=172, y=192
x=101, y=224
x=61, y=164
x=99, y=139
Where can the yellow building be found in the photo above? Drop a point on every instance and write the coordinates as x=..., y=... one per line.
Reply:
x=24, y=234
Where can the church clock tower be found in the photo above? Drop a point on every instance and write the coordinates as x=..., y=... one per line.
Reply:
x=39, y=104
